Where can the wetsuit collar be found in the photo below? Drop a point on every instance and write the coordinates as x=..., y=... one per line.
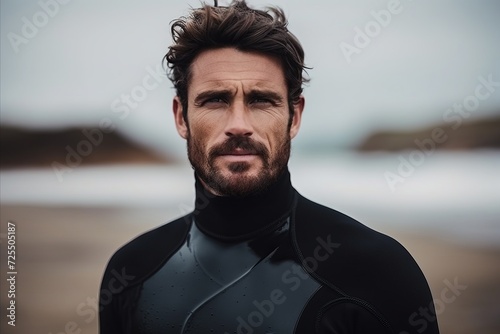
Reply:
x=235, y=218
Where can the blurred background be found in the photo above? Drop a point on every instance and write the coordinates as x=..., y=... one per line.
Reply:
x=401, y=131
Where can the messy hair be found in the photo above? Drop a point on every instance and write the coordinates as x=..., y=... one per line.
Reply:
x=238, y=26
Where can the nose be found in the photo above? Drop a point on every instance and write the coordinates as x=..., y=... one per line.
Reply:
x=238, y=121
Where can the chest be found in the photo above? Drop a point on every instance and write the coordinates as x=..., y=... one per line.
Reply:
x=219, y=288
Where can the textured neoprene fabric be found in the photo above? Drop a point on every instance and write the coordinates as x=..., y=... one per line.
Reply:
x=272, y=263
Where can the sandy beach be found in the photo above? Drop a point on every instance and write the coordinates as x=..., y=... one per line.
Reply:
x=62, y=252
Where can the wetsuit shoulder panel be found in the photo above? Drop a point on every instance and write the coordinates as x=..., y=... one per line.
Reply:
x=366, y=267
x=150, y=250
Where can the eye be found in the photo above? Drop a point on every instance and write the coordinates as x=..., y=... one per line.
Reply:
x=264, y=99
x=214, y=102
x=215, y=99
x=262, y=102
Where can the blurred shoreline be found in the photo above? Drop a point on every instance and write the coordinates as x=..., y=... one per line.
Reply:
x=453, y=194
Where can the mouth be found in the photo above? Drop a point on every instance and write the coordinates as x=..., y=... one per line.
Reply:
x=239, y=154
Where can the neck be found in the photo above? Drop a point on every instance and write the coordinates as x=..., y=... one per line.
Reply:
x=237, y=218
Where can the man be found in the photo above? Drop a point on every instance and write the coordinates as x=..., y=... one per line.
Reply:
x=254, y=256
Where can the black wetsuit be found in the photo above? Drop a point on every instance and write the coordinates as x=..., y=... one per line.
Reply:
x=274, y=263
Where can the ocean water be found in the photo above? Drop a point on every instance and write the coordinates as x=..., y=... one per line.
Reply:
x=455, y=195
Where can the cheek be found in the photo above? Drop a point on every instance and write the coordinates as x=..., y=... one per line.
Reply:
x=207, y=125
x=276, y=136
x=201, y=134
x=273, y=125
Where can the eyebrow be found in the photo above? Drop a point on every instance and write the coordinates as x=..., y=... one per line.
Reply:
x=210, y=94
x=226, y=94
x=265, y=94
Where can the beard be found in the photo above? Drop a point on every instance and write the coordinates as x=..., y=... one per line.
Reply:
x=237, y=181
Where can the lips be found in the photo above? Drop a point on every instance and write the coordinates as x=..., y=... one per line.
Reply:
x=240, y=151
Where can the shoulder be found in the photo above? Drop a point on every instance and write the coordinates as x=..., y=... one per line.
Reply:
x=362, y=263
x=143, y=255
x=315, y=222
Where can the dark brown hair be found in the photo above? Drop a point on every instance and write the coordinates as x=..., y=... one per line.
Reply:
x=238, y=26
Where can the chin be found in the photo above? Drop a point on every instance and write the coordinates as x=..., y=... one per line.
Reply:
x=239, y=179
x=241, y=168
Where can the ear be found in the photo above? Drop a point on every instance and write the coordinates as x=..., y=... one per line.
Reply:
x=180, y=122
x=298, y=108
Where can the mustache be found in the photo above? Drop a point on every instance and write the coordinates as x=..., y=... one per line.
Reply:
x=239, y=142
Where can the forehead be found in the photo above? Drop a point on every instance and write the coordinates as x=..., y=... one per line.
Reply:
x=228, y=66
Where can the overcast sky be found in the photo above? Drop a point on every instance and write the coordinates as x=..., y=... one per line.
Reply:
x=65, y=64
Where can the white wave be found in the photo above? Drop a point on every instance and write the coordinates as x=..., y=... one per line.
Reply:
x=455, y=194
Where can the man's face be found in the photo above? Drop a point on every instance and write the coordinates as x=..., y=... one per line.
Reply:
x=237, y=125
